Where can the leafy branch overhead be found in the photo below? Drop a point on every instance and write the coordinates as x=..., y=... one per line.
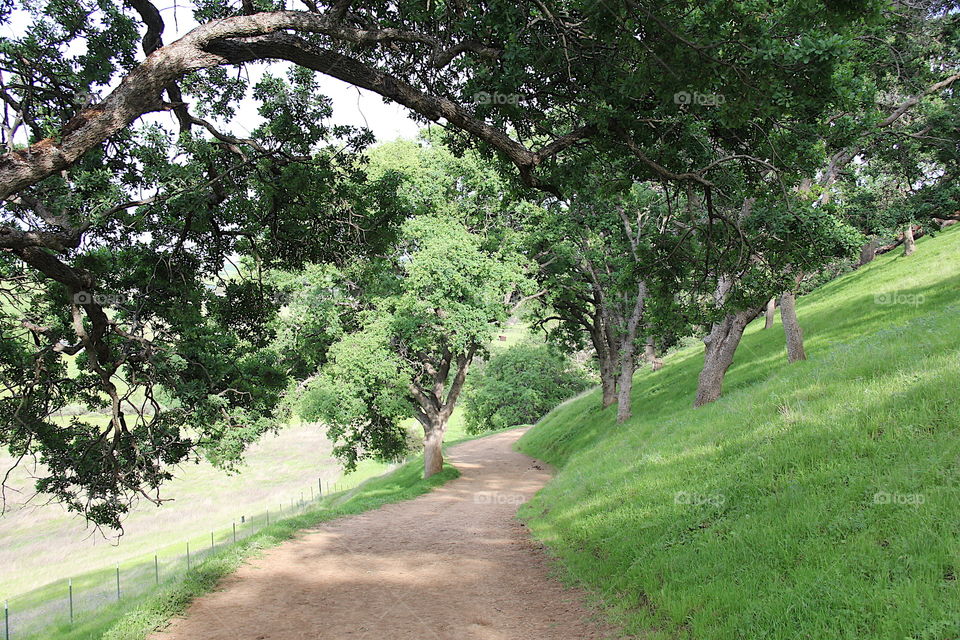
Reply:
x=172, y=274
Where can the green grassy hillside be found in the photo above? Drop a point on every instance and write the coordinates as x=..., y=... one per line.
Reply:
x=816, y=500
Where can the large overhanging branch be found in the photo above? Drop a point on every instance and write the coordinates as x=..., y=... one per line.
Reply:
x=249, y=38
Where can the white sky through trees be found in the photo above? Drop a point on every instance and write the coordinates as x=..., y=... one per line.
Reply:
x=351, y=105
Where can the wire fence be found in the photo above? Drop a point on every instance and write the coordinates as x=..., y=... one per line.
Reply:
x=72, y=600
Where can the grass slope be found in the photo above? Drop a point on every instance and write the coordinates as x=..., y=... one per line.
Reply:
x=135, y=620
x=41, y=545
x=816, y=500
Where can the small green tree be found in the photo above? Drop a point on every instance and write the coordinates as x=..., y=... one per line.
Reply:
x=423, y=326
x=520, y=385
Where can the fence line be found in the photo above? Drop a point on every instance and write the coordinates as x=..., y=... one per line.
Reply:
x=32, y=618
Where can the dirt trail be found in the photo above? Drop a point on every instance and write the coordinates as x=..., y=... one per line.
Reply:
x=452, y=564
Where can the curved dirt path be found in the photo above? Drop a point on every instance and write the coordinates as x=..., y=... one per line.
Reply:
x=452, y=564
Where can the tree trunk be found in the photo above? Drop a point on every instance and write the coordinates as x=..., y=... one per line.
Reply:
x=771, y=310
x=609, y=385
x=721, y=343
x=607, y=365
x=433, y=450
x=791, y=327
x=625, y=383
x=909, y=242
x=434, y=411
x=868, y=251
x=608, y=382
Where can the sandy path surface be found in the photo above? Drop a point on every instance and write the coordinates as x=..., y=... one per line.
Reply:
x=452, y=564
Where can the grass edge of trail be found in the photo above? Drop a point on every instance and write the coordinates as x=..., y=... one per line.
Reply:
x=154, y=611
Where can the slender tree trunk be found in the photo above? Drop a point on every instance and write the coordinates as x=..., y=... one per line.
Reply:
x=433, y=449
x=791, y=327
x=868, y=251
x=771, y=310
x=909, y=242
x=721, y=343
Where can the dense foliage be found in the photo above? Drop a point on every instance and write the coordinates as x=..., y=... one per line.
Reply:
x=119, y=228
x=520, y=385
x=437, y=307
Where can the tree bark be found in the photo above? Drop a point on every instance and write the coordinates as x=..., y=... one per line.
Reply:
x=771, y=310
x=909, y=242
x=606, y=362
x=625, y=383
x=608, y=383
x=791, y=327
x=721, y=344
x=433, y=449
x=629, y=327
x=868, y=252
x=433, y=409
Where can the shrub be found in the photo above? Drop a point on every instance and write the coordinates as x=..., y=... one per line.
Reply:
x=519, y=386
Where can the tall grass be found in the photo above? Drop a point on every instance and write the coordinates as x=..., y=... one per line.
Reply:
x=815, y=500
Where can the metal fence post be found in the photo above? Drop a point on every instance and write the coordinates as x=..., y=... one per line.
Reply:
x=118, y=581
x=6, y=619
x=268, y=517
x=70, y=592
x=156, y=568
x=188, y=556
x=234, y=531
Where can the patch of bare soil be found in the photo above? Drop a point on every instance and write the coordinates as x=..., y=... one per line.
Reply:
x=451, y=564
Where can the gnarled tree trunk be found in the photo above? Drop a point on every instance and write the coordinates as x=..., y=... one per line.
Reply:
x=791, y=327
x=435, y=404
x=771, y=311
x=909, y=242
x=721, y=343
